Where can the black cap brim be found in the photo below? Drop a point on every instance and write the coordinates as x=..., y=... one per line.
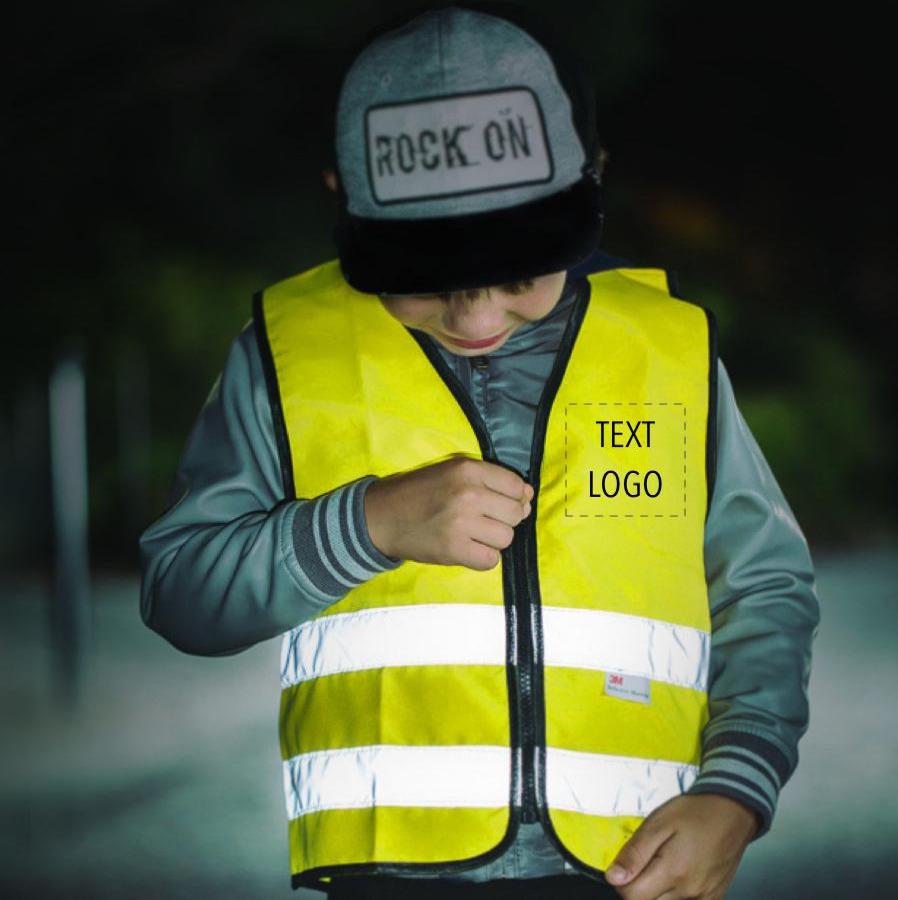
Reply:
x=428, y=256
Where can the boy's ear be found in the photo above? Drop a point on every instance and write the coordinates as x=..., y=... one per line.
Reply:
x=331, y=179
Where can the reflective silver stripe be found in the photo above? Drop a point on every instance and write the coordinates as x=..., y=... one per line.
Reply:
x=395, y=775
x=634, y=645
x=475, y=776
x=416, y=635
x=605, y=785
x=475, y=634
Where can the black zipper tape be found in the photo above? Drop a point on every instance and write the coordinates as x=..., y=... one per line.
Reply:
x=535, y=767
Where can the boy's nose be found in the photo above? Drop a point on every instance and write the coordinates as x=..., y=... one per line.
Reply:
x=470, y=321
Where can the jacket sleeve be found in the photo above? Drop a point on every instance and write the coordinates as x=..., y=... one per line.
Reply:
x=232, y=561
x=764, y=618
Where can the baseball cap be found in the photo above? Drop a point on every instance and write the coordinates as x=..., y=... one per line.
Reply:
x=465, y=145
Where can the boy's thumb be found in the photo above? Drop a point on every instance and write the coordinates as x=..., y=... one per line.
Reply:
x=617, y=874
x=635, y=855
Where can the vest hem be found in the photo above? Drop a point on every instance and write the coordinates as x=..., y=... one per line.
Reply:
x=311, y=878
x=577, y=863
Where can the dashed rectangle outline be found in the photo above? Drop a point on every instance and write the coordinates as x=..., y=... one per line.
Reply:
x=569, y=515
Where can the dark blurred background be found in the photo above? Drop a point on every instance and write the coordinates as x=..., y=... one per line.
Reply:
x=163, y=160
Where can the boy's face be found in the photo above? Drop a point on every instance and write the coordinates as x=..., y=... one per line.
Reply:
x=479, y=321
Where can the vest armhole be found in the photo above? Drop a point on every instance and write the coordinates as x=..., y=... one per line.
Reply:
x=274, y=397
x=673, y=284
x=711, y=450
x=673, y=287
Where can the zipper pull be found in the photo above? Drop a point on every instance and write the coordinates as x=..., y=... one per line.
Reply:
x=480, y=362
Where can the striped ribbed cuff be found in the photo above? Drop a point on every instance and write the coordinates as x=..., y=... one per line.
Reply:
x=333, y=547
x=747, y=768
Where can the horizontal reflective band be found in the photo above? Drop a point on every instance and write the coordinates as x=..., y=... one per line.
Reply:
x=634, y=645
x=603, y=785
x=395, y=775
x=475, y=776
x=415, y=635
x=440, y=634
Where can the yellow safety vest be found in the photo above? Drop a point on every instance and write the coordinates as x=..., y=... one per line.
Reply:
x=432, y=709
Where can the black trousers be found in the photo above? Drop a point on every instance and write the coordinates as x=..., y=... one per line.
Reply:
x=554, y=887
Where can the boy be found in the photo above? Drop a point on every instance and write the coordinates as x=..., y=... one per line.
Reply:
x=474, y=383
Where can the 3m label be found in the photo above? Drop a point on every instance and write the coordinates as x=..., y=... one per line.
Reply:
x=627, y=687
x=625, y=459
x=456, y=145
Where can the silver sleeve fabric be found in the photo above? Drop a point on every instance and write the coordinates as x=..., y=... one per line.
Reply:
x=764, y=618
x=232, y=562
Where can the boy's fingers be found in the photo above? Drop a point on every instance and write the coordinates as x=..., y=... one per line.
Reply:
x=504, y=509
x=504, y=481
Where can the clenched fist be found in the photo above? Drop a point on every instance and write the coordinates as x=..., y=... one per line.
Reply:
x=460, y=512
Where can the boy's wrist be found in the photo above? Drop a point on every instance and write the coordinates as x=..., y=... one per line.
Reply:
x=375, y=521
x=753, y=819
x=758, y=819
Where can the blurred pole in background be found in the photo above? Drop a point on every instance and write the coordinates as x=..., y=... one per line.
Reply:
x=71, y=619
x=132, y=400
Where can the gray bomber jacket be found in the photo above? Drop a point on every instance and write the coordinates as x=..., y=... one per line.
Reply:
x=232, y=561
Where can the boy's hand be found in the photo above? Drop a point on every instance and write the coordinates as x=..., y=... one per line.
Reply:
x=459, y=512
x=689, y=846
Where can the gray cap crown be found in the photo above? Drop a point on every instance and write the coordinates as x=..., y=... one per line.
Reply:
x=454, y=113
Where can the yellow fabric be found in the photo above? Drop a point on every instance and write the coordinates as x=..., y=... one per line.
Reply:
x=666, y=728
x=427, y=705
x=359, y=396
x=640, y=348
x=353, y=836
x=596, y=839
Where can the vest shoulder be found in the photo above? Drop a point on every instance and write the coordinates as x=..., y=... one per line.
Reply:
x=653, y=276
x=323, y=276
x=647, y=275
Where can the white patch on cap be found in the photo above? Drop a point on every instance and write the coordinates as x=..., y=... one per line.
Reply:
x=456, y=145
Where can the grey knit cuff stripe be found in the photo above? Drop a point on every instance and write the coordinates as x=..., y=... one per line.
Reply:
x=753, y=745
x=326, y=549
x=746, y=758
x=738, y=770
x=347, y=504
x=360, y=523
x=349, y=563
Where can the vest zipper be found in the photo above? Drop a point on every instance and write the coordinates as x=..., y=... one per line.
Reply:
x=526, y=665
x=523, y=656
x=522, y=587
x=533, y=738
